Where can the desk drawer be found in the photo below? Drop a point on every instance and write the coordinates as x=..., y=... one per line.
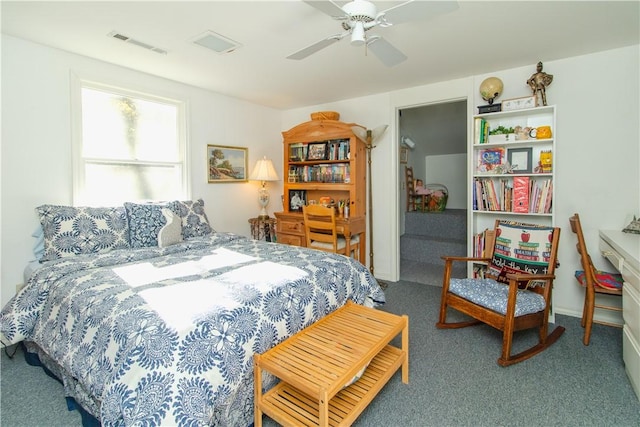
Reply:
x=631, y=310
x=631, y=277
x=291, y=239
x=612, y=255
x=290, y=227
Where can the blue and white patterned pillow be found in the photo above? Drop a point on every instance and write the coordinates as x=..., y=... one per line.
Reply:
x=70, y=231
x=145, y=221
x=194, y=219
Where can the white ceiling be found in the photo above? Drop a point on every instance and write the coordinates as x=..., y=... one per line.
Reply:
x=479, y=37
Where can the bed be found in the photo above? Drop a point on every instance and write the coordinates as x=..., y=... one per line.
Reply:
x=155, y=334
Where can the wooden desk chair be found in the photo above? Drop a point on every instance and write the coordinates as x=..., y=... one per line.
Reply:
x=414, y=201
x=594, y=283
x=516, y=291
x=321, y=232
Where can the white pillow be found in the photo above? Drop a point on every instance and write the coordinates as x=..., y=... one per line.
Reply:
x=171, y=232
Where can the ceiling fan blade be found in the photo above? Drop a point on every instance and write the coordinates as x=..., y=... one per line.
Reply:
x=328, y=7
x=414, y=10
x=385, y=51
x=303, y=53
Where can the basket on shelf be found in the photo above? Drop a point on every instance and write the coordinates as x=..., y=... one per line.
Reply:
x=436, y=199
x=325, y=115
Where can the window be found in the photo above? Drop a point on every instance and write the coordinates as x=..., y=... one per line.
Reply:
x=128, y=146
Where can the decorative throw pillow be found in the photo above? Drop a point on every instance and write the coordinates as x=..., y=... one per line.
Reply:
x=521, y=248
x=145, y=221
x=194, y=219
x=70, y=231
x=171, y=232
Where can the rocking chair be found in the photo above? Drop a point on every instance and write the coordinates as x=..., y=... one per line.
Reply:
x=515, y=293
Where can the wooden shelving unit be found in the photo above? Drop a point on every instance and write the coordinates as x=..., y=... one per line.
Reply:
x=336, y=173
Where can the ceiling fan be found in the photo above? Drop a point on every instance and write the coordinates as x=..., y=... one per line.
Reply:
x=359, y=16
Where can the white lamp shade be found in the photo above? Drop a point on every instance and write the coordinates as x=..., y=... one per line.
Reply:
x=264, y=171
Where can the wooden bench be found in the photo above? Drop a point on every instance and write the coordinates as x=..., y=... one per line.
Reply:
x=315, y=364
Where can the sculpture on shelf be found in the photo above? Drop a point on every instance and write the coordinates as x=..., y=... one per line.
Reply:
x=539, y=82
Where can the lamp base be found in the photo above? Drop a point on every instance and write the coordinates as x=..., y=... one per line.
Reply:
x=263, y=200
x=263, y=213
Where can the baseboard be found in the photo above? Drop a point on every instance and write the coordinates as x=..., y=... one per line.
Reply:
x=599, y=316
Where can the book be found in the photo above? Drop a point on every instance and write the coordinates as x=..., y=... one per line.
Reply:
x=521, y=194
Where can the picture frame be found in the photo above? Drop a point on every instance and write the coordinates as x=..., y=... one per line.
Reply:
x=519, y=103
x=297, y=199
x=520, y=159
x=489, y=159
x=404, y=155
x=317, y=151
x=226, y=164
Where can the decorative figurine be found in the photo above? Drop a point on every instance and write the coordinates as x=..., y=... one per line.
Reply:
x=539, y=81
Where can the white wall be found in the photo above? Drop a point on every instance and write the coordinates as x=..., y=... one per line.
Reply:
x=36, y=143
x=597, y=157
x=597, y=99
x=449, y=170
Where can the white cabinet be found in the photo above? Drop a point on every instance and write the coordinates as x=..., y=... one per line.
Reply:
x=510, y=175
x=623, y=251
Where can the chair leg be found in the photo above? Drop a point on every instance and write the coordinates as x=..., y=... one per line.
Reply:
x=587, y=316
x=442, y=318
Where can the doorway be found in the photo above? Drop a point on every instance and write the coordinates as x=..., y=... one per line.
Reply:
x=433, y=141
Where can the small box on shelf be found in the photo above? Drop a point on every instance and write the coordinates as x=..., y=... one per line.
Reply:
x=491, y=108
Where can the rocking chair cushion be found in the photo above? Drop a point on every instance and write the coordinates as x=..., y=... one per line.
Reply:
x=493, y=295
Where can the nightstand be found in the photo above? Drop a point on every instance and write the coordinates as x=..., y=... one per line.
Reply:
x=263, y=229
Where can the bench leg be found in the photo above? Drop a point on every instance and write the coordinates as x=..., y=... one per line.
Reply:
x=257, y=396
x=405, y=348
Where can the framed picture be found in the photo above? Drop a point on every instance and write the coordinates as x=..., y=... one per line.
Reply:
x=519, y=103
x=404, y=155
x=490, y=158
x=226, y=164
x=297, y=199
x=520, y=159
x=317, y=151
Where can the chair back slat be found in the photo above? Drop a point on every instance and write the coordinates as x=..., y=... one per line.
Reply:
x=320, y=225
x=590, y=271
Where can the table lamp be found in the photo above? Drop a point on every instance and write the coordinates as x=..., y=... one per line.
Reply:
x=263, y=171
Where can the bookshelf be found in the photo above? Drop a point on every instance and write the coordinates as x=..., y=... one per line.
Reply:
x=513, y=175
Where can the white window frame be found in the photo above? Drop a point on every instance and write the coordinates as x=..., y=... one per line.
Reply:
x=77, y=83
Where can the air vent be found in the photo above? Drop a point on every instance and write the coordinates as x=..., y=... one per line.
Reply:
x=216, y=42
x=127, y=39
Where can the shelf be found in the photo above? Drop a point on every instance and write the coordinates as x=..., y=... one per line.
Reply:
x=548, y=109
x=317, y=162
x=313, y=185
x=516, y=143
x=511, y=175
x=513, y=213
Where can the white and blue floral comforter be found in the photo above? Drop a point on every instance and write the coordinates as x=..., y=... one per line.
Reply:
x=166, y=336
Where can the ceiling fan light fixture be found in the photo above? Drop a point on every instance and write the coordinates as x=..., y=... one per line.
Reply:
x=357, y=35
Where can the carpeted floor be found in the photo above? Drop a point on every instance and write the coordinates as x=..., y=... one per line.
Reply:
x=454, y=379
